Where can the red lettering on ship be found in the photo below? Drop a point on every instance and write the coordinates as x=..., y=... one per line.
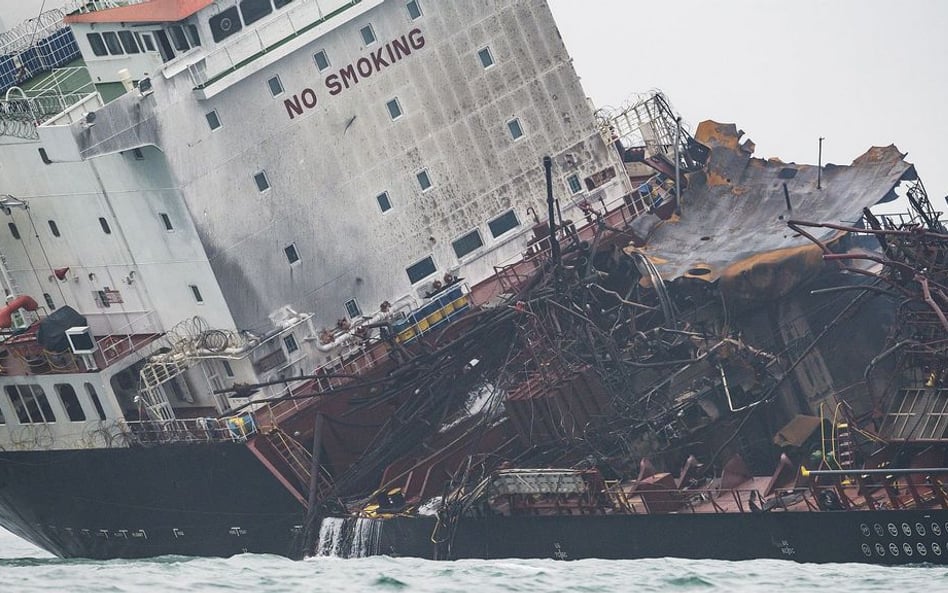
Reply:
x=294, y=106
x=349, y=75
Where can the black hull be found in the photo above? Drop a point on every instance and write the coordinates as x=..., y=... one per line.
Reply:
x=211, y=499
x=907, y=537
x=216, y=499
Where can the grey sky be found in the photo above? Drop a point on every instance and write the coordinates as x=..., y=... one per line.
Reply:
x=858, y=72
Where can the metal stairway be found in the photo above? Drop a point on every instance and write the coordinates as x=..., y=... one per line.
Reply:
x=844, y=446
x=290, y=463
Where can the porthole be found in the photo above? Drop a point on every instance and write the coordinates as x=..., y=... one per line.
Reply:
x=879, y=530
x=865, y=529
x=922, y=550
x=880, y=550
x=907, y=529
x=907, y=548
x=936, y=528
x=893, y=549
x=920, y=529
x=866, y=550
x=893, y=529
x=936, y=548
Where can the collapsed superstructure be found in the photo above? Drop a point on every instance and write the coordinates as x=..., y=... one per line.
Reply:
x=718, y=323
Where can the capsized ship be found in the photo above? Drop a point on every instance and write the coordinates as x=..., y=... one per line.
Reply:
x=593, y=354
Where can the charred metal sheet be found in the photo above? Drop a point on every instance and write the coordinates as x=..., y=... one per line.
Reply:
x=733, y=221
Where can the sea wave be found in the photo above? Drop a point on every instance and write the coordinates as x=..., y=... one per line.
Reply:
x=26, y=569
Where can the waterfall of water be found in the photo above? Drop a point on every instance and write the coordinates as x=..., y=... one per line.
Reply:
x=349, y=538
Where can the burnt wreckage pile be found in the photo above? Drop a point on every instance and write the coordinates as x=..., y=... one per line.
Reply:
x=681, y=337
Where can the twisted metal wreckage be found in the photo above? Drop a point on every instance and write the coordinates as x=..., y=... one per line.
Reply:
x=719, y=322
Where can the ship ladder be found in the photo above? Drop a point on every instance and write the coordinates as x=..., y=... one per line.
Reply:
x=298, y=459
x=844, y=446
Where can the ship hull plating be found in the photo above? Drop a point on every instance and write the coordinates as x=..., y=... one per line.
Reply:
x=215, y=499
x=209, y=499
x=879, y=537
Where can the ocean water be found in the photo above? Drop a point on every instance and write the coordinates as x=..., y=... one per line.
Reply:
x=24, y=568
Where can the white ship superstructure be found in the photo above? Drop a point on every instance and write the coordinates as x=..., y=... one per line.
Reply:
x=238, y=186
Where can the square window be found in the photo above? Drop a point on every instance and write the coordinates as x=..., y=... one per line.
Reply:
x=166, y=220
x=112, y=43
x=322, y=60
x=352, y=309
x=516, y=131
x=193, y=37
x=149, y=43
x=414, y=11
x=292, y=255
x=13, y=230
x=138, y=154
x=49, y=301
x=53, y=228
x=105, y=226
x=384, y=203
x=423, y=180
x=263, y=184
x=213, y=120
x=129, y=44
x=503, y=223
x=228, y=370
x=96, y=43
x=290, y=342
x=394, y=109
x=254, y=10
x=467, y=244
x=574, y=185
x=276, y=87
x=196, y=293
x=368, y=34
x=179, y=38
x=487, y=58
x=421, y=270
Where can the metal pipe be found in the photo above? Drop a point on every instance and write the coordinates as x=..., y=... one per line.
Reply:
x=678, y=163
x=554, y=245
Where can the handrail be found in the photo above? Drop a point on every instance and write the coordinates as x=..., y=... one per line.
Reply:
x=192, y=430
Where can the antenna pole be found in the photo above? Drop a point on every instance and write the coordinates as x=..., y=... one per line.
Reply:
x=819, y=170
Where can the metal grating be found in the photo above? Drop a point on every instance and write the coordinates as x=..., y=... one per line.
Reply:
x=917, y=414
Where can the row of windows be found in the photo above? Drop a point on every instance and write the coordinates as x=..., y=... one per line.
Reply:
x=103, y=223
x=464, y=245
x=117, y=43
x=32, y=407
x=54, y=229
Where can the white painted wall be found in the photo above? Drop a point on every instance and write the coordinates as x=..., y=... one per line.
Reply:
x=130, y=194
x=326, y=166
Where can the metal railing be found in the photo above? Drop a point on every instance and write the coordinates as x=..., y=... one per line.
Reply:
x=121, y=342
x=256, y=42
x=193, y=430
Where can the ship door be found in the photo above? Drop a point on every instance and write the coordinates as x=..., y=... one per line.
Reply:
x=212, y=372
